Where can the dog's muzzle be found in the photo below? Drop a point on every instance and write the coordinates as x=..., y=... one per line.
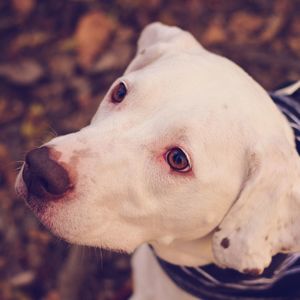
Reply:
x=44, y=177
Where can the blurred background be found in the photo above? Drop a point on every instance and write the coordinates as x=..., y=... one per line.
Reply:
x=57, y=60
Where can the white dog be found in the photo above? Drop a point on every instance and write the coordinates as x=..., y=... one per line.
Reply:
x=186, y=153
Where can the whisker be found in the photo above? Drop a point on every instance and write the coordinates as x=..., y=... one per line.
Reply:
x=19, y=161
x=52, y=131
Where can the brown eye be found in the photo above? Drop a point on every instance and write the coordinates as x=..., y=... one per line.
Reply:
x=119, y=92
x=178, y=160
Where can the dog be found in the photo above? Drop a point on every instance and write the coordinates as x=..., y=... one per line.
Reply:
x=189, y=161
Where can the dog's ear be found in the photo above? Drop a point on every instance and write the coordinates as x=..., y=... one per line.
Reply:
x=265, y=218
x=156, y=40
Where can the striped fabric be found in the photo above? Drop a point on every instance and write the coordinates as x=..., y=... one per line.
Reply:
x=287, y=99
x=281, y=280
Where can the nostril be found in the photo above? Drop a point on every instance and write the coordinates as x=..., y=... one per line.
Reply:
x=44, y=183
x=44, y=176
x=56, y=182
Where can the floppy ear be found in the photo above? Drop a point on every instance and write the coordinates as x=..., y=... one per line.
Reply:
x=265, y=219
x=156, y=40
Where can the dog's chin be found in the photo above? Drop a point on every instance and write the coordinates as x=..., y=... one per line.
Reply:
x=46, y=212
x=59, y=216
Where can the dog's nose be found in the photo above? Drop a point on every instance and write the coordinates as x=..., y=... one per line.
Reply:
x=43, y=176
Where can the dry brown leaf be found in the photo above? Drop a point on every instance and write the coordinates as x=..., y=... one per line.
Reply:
x=113, y=59
x=29, y=40
x=83, y=91
x=35, y=124
x=10, y=110
x=3, y=262
x=294, y=44
x=22, y=279
x=42, y=237
x=215, y=33
x=91, y=36
x=52, y=295
x=243, y=24
x=61, y=65
x=67, y=44
x=274, y=25
x=3, y=152
x=168, y=18
x=24, y=72
x=23, y=7
x=295, y=28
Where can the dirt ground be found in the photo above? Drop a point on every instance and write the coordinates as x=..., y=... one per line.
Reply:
x=57, y=60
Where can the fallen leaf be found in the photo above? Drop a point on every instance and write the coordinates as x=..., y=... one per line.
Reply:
x=2, y=262
x=91, y=36
x=273, y=26
x=215, y=33
x=295, y=28
x=29, y=40
x=24, y=72
x=23, y=7
x=22, y=279
x=52, y=295
x=35, y=123
x=62, y=65
x=294, y=44
x=124, y=34
x=83, y=91
x=67, y=45
x=113, y=59
x=244, y=25
x=10, y=110
x=42, y=237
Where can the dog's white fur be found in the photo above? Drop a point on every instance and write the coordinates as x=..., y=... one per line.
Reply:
x=244, y=184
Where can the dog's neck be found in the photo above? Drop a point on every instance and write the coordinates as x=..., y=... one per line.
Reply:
x=196, y=252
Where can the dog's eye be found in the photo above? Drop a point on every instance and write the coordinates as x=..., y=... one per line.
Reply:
x=178, y=160
x=119, y=92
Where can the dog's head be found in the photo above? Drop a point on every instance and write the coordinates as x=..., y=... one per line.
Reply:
x=184, y=146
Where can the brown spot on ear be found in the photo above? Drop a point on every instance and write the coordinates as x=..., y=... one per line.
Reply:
x=285, y=249
x=225, y=243
x=218, y=229
x=266, y=237
x=252, y=272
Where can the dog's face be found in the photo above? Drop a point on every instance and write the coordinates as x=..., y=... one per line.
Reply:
x=184, y=143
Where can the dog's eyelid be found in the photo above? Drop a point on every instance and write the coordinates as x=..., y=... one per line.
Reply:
x=126, y=82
